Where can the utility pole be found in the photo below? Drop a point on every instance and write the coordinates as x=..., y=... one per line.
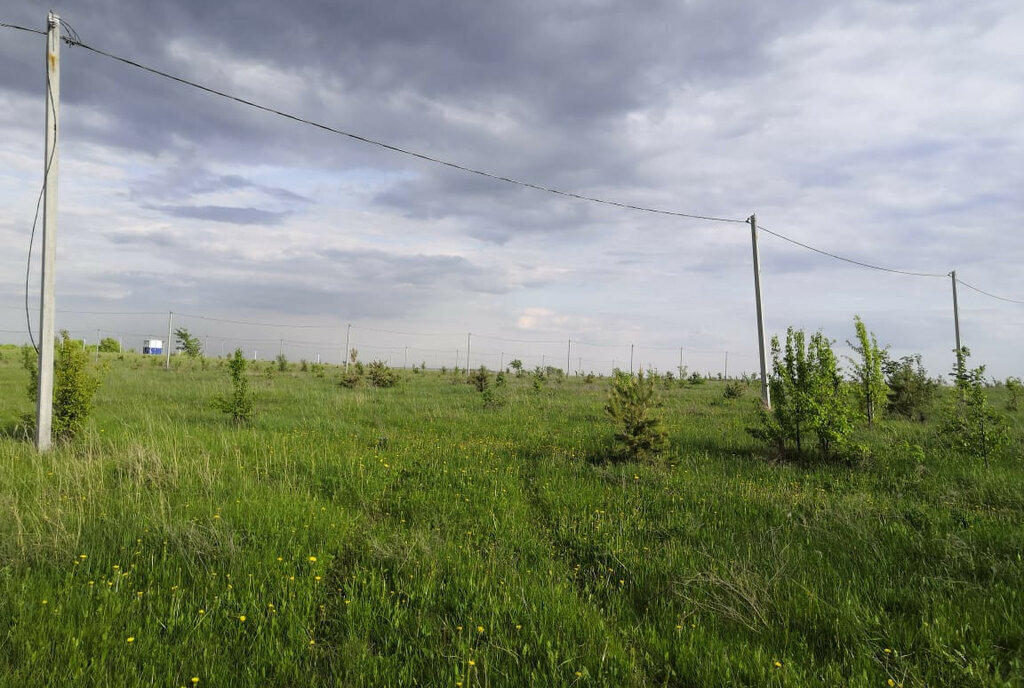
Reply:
x=469, y=335
x=406, y=364
x=501, y=363
x=726, y=365
x=630, y=359
x=280, y=348
x=97, y=344
x=680, y=362
x=766, y=398
x=568, y=357
x=956, y=325
x=47, y=300
x=167, y=352
x=348, y=352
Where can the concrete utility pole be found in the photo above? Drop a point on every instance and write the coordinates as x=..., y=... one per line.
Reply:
x=348, y=352
x=680, y=361
x=47, y=299
x=280, y=348
x=469, y=336
x=766, y=398
x=630, y=359
x=726, y=365
x=167, y=344
x=956, y=324
x=568, y=357
x=406, y=364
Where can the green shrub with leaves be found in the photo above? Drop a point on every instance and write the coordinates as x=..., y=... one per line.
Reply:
x=73, y=387
x=109, y=345
x=282, y=363
x=239, y=404
x=696, y=378
x=632, y=405
x=808, y=398
x=968, y=423
x=480, y=378
x=870, y=391
x=911, y=391
x=734, y=389
x=381, y=375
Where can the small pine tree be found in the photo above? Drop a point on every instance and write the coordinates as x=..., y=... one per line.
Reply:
x=381, y=375
x=911, y=391
x=871, y=391
x=1013, y=388
x=73, y=387
x=282, y=363
x=239, y=405
x=632, y=405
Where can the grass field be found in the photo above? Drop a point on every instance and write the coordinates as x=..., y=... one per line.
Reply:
x=411, y=536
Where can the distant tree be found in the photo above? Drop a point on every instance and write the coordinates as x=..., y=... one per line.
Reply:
x=1013, y=387
x=969, y=424
x=109, y=345
x=188, y=343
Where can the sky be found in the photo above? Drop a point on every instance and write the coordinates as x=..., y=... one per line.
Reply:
x=890, y=133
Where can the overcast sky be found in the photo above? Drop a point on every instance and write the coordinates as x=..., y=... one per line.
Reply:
x=887, y=132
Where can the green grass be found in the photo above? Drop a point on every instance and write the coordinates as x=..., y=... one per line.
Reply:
x=410, y=536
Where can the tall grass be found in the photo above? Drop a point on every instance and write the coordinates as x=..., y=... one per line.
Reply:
x=411, y=536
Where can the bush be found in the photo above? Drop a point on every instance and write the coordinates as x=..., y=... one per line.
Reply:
x=73, y=387
x=282, y=363
x=109, y=345
x=480, y=379
x=1013, y=388
x=189, y=344
x=969, y=425
x=696, y=379
x=239, y=405
x=381, y=376
x=808, y=397
x=734, y=390
x=910, y=390
x=632, y=405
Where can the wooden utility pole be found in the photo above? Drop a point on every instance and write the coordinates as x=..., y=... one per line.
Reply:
x=766, y=398
x=47, y=298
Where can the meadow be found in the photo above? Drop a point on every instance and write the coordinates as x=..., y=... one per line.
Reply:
x=413, y=536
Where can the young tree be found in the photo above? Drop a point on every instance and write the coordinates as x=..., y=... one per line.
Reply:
x=632, y=404
x=189, y=344
x=1013, y=387
x=910, y=389
x=73, y=386
x=871, y=390
x=239, y=405
x=808, y=398
x=968, y=423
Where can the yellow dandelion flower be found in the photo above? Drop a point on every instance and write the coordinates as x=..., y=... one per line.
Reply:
x=195, y=679
x=891, y=683
x=472, y=663
x=312, y=559
x=131, y=639
x=242, y=618
x=202, y=611
x=778, y=664
x=479, y=629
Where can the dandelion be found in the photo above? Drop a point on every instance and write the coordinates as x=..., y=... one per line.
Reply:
x=316, y=578
x=195, y=680
x=778, y=664
x=83, y=556
x=242, y=618
x=313, y=559
x=479, y=629
x=579, y=674
x=131, y=639
x=891, y=683
x=201, y=612
x=472, y=663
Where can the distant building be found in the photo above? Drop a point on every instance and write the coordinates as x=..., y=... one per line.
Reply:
x=153, y=346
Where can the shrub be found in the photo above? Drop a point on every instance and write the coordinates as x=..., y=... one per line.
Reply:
x=381, y=376
x=516, y=365
x=696, y=378
x=734, y=390
x=480, y=379
x=282, y=363
x=632, y=404
x=969, y=425
x=109, y=345
x=73, y=387
x=808, y=397
x=239, y=405
x=1013, y=388
x=317, y=369
x=910, y=390
x=870, y=390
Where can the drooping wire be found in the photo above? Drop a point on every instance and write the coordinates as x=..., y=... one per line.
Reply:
x=849, y=260
x=35, y=219
x=982, y=291
x=397, y=149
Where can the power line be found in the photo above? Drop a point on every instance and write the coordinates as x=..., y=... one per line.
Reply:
x=981, y=291
x=849, y=260
x=397, y=149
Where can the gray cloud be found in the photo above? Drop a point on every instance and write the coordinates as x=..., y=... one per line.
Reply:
x=219, y=213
